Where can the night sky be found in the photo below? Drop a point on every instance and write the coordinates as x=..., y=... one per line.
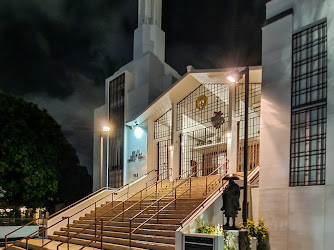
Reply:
x=58, y=53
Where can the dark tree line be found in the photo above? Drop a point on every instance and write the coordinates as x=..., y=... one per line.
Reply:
x=38, y=166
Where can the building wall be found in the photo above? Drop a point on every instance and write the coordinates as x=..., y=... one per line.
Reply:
x=137, y=166
x=298, y=217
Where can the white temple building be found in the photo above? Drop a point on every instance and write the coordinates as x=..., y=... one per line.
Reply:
x=162, y=144
x=161, y=121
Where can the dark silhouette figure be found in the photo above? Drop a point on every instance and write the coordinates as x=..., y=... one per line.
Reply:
x=231, y=206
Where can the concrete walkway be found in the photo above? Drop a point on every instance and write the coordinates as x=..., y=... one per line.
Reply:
x=53, y=245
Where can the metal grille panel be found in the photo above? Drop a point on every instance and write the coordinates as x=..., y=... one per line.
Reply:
x=254, y=98
x=203, y=151
x=309, y=62
x=163, y=159
x=308, y=106
x=116, y=141
x=188, y=113
x=308, y=147
x=253, y=144
x=163, y=125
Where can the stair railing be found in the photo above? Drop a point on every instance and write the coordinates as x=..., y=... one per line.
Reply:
x=206, y=179
x=112, y=208
x=39, y=231
x=56, y=213
x=173, y=193
x=147, y=187
x=251, y=174
x=203, y=202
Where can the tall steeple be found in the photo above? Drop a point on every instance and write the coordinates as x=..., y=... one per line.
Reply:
x=149, y=36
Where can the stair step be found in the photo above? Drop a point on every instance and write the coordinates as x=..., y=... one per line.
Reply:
x=126, y=225
x=15, y=248
x=166, y=233
x=112, y=246
x=151, y=235
x=119, y=237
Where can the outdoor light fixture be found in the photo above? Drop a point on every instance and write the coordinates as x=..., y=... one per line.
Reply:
x=171, y=148
x=234, y=77
x=106, y=128
x=138, y=132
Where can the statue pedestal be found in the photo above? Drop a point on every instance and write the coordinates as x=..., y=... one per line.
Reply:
x=231, y=239
x=236, y=239
x=243, y=239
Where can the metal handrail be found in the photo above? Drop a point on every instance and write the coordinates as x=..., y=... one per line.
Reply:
x=157, y=201
x=157, y=178
x=208, y=198
x=173, y=191
x=96, y=210
x=206, y=179
x=202, y=203
x=157, y=213
x=54, y=214
x=122, y=213
x=72, y=205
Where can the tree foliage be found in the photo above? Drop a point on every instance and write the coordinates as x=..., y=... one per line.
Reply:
x=38, y=166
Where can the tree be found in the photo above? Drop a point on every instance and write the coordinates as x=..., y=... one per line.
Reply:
x=38, y=166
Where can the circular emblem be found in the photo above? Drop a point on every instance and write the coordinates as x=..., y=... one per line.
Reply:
x=217, y=119
x=201, y=102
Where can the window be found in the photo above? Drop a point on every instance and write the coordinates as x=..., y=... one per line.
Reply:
x=308, y=106
x=163, y=125
x=116, y=120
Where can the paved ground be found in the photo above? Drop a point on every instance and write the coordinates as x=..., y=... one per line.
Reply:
x=53, y=245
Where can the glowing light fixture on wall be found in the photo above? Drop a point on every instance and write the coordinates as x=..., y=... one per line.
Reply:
x=236, y=75
x=138, y=132
x=106, y=128
x=171, y=148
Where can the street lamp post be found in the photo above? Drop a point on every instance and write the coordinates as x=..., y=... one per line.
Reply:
x=234, y=77
x=104, y=129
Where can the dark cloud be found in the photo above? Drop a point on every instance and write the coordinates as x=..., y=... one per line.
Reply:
x=58, y=53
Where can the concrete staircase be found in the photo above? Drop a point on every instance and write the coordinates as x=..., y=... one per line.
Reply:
x=155, y=233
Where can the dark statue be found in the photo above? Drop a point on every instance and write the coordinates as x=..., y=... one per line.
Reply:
x=231, y=197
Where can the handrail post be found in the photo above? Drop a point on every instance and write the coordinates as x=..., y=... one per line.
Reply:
x=190, y=188
x=158, y=213
x=6, y=242
x=206, y=185
x=43, y=232
x=95, y=222
x=68, y=233
x=175, y=199
x=128, y=191
x=27, y=244
x=156, y=189
x=112, y=199
x=130, y=233
x=101, y=233
x=141, y=194
x=123, y=213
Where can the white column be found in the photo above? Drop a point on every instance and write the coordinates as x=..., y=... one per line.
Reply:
x=175, y=154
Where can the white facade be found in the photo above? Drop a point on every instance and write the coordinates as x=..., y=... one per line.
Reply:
x=298, y=217
x=146, y=77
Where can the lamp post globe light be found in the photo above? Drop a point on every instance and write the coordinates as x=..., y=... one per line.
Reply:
x=105, y=129
x=234, y=77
